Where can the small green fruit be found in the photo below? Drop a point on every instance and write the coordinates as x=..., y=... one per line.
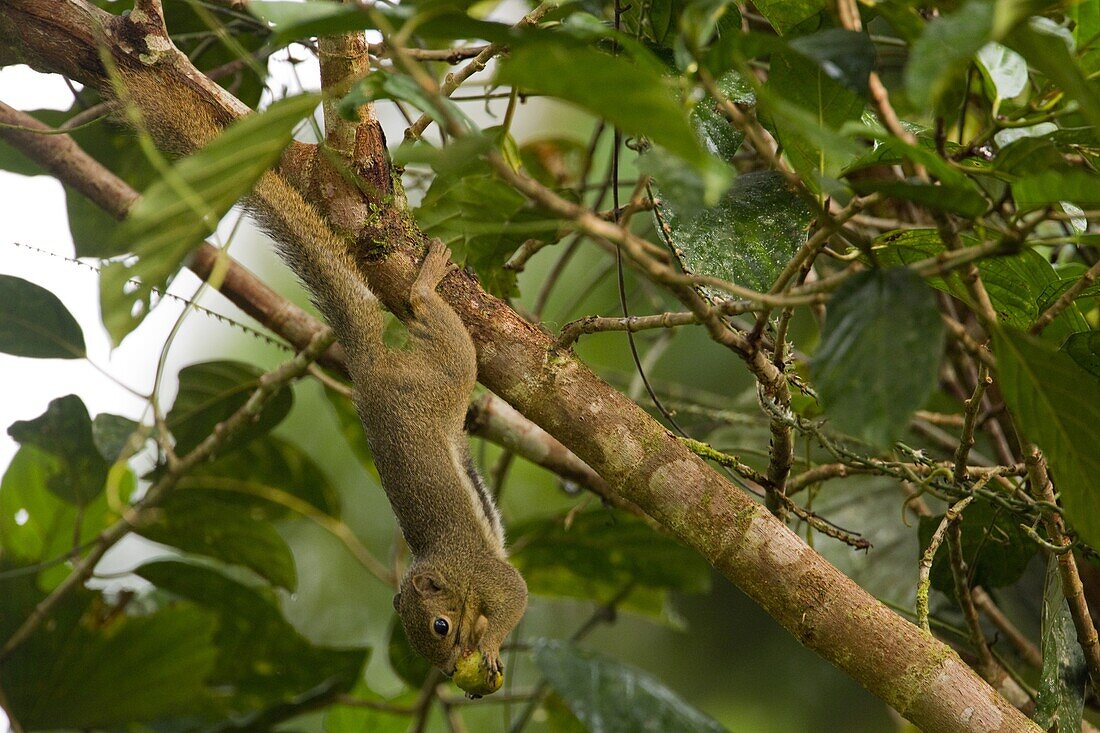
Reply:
x=472, y=674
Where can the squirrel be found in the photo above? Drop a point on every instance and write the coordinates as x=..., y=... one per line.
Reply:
x=460, y=597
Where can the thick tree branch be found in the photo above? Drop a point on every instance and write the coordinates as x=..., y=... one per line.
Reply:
x=913, y=672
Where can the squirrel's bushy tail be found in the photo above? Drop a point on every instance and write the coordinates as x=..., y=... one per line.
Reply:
x=317, y=255
x=321, y=259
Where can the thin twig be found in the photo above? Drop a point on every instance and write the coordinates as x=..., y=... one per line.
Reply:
x=970, y=419
x=924, y=569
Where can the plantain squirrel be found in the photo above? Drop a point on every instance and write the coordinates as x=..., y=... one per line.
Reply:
x=460, y=597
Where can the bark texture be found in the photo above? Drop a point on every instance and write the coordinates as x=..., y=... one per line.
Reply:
x=922, y=678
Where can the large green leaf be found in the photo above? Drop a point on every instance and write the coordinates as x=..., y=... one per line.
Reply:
x=1046, y=50
x=114, y=435
x=91, y=668
x=610, y=697
x=357, y=719
x=247, y=478
x=1061, y=697
x=65, y=431
x=35, y=525
x=210, y=392
x=200, y=524
x=632, y=93
x=996, y=550
x=879, y=355
x=947, y=46
x=184, y=206
x=847, y=57
x=293, y=21
x=786, y=14
x=1084, y=348
x=483, y=220
x=1057, y=406
x=599, y=554
x=1017, y=285
x=261, y=659
x=748, y=237
x=33, y=322
x=799, y=81
x=1005, y=69
x=1051, y=187
x=401, y=88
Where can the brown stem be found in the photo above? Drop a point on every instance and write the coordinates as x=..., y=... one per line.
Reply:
x=1072, y=587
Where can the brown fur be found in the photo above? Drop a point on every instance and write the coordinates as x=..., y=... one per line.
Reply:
x=412, y=404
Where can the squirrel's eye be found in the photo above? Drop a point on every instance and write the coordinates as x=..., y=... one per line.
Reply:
x=441, y=627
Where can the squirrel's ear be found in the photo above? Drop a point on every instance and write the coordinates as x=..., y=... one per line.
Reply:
x=426, y=583
x=397, y=602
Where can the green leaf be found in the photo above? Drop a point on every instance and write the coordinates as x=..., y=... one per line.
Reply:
x=180, y=209
x=357, y=719
x=1051, y=187
x=879, y=354
x=601, y=553
x=610, y=697
x=1061, y=697
x=1005, y=69
x=32, y=518
x=483, y=220
x=1057, y=405
x=248, y=478
x=351, y=427
x=748, y=237
x=963, y=201
x=67, y=675
x=956, y=192
x=113, y=435
x=402, y=88
x=1047, y=51
x=65, y=431
x=806, y=108
x=262, y=660
x=447, y=21
x=1084, y=348
x=33, y=322
x=209, y=392
x=294, y=20
x=996, y=550
x=1016, y=284
x=198, y=523
x=632, y=93
x=786, y=14
x=847, y=57
x=945, y=49
x=409, y=666
x=559, y=718
x=716, y=132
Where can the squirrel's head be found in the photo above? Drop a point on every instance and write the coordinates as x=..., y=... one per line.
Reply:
x=457, y=614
